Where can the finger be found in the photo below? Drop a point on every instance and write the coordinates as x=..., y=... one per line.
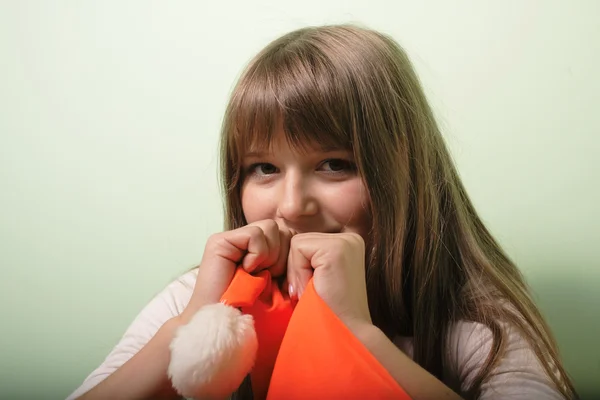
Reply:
x=272, y=236
x=251, y=239
x=285, y=286
x=299, y=268
x=279, y=267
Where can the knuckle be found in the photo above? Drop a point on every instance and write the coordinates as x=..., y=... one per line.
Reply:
x=295, y=240
x=353, y=239
x=270, y=225
x=255, y=231
x=358, y=240
x=214, y=238
x=350, y=243
x=345, y=242
x=265, y=225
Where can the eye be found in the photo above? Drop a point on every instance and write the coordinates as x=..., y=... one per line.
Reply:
x=337, y=165
x=262, y=169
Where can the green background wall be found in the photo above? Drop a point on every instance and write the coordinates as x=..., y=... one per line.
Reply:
x=109, y=119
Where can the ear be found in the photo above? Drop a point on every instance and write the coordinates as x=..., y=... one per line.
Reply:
x=213, y=353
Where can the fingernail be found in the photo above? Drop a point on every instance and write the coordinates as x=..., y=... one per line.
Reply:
x=291, y=290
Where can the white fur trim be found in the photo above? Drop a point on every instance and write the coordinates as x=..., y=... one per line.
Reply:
x=213, y=353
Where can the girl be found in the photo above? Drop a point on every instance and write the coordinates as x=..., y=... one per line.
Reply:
x=333, y=167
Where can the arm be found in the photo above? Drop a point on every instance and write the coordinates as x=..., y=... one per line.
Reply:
x=334, y=265
x=518, y=376
x=417, y=382
x=138, y=368
x=145, y=374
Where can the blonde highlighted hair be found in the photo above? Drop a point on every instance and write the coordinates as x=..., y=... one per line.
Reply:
x=432, y=262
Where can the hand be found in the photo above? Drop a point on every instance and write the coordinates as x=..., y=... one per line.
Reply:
x=257, y=246
x=336, y=262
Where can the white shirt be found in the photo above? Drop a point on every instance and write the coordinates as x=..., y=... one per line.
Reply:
x=518, y=376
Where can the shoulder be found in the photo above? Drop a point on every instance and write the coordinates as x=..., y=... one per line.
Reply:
x=518, y=375
x=166, y=304
x=176, y=295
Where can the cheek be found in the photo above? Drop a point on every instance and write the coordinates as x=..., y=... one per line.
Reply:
x=353, y=209
x=256, y=204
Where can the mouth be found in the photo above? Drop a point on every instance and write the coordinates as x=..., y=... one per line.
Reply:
x=299, y=231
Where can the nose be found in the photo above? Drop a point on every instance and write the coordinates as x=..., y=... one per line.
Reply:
x=297, y=198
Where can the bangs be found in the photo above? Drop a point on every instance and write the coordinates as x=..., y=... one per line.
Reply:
x=297, y=90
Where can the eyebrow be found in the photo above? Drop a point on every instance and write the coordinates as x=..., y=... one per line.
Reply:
x=322, y=149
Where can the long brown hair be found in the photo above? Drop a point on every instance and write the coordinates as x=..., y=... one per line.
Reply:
x=431, y=262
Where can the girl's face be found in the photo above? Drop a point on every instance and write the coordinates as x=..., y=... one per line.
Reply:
x=318, y=190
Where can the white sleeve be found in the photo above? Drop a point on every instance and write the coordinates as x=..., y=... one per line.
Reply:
x=169, y=303
x=519, y=374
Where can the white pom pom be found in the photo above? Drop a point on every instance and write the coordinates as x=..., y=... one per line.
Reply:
x=213, y=353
